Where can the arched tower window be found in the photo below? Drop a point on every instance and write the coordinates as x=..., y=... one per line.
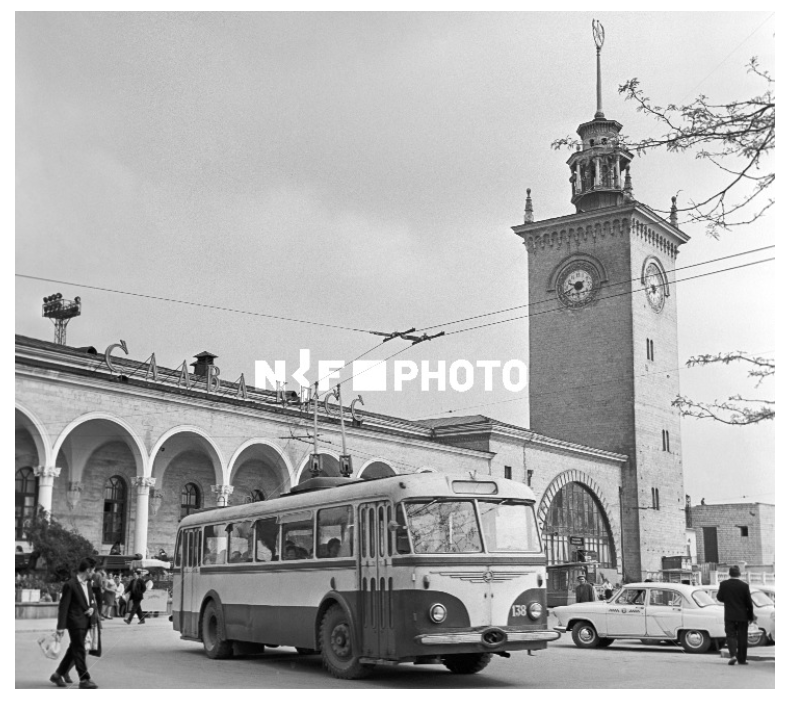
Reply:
x=115, y=496
x=26, y=495
x=576, y=524
x=190, y=500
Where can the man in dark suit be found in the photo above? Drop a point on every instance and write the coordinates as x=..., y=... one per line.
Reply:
x=76, y=613
x=136, y=591
x=738, y=612
x=584, y=590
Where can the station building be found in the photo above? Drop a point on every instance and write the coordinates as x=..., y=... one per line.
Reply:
x=121, y=449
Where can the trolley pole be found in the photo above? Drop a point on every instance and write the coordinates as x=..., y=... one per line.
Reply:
x=346, y=461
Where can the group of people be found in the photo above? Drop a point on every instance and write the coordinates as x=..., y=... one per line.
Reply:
x=89, y=596
x=585, y=592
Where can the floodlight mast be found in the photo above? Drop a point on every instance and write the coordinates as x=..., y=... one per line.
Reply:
x=60, y=312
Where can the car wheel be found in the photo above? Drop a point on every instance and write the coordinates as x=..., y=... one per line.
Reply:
x=585, y=635
x=336, y=644
x=466, y=663
x=605, y=641
x=215, y=646
x=757, y=640
x=695, y=641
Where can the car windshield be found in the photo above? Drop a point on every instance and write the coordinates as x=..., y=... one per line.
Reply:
x=509, y=526
x=760, y=599
x=443, y=526
x=703, y=598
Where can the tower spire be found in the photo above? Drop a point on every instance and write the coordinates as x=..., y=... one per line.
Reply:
x=598, y=38
x=600, y=166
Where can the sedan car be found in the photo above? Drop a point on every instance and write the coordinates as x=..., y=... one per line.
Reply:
x=652, y=612
x=763, y=630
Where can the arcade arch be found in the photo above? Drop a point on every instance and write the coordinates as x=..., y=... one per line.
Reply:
x=258, y=470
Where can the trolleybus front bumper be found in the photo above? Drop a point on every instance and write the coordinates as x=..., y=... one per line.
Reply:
x=492, y=637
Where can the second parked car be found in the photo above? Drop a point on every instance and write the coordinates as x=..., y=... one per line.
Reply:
x=648, y=611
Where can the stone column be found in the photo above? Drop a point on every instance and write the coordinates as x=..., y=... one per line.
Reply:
x=143, y=485
x=222, y=492
x=46, y=479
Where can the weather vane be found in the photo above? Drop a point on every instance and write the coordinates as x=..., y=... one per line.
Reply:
x=598, y=34
x=598, y=38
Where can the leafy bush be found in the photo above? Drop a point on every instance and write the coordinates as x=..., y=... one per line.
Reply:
x=60, y=549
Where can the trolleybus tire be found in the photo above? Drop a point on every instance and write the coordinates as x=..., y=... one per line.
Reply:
x=585, y=635
x=695, y=641
x=215, y=647
x=336, y=644
x=466, y=663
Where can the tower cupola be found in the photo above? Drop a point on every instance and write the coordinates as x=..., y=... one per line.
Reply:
x=600, y=167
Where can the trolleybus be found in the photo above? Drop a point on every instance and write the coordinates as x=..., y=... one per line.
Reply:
x=419, y=568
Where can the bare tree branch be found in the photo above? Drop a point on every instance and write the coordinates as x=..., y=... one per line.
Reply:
x=736, y=410
x=743, y=132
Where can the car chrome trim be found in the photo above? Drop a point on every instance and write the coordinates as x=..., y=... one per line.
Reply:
x=477, y=637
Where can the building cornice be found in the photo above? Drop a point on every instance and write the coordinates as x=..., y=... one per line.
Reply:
x=573, y=230
x=505, y=431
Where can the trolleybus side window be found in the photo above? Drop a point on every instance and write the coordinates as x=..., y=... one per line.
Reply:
x=335, y=532
x=297, y=535
x=267, y=543
x=508, y=526
x=443, y=526
x=179, y=548
x=241, y=542
x=214, y=549
x=400, y=541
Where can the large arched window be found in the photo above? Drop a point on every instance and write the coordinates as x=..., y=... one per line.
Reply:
x=115, y=495
x=190, y=500
x=576, y=524
x=26, y=495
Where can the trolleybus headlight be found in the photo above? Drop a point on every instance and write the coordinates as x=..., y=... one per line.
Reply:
x=535, y=610
x=438, y=613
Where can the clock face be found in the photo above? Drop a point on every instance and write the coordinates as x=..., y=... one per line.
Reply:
x=578, y=284
x=654, y=287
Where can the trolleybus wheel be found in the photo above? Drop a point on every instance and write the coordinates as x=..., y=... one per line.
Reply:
x=215, y=647
x=585, y=635
x=336, y=644
x=695, y=641
x=466, y=663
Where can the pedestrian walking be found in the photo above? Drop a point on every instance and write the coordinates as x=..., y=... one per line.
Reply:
x=78, y=611
x=98, y=591
x=584, y=590
x=120, y=603
x=136, y=591
x=108, y=588
x=738, y=612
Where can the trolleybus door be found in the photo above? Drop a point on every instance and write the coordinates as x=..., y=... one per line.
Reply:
x=189, y=603
x=376, y=586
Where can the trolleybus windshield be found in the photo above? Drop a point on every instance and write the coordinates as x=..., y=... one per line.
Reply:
x=452, y=526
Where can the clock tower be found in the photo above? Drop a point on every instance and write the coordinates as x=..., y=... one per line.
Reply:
x=603, y=335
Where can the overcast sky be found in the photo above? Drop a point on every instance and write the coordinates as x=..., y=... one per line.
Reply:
x=362, y=170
